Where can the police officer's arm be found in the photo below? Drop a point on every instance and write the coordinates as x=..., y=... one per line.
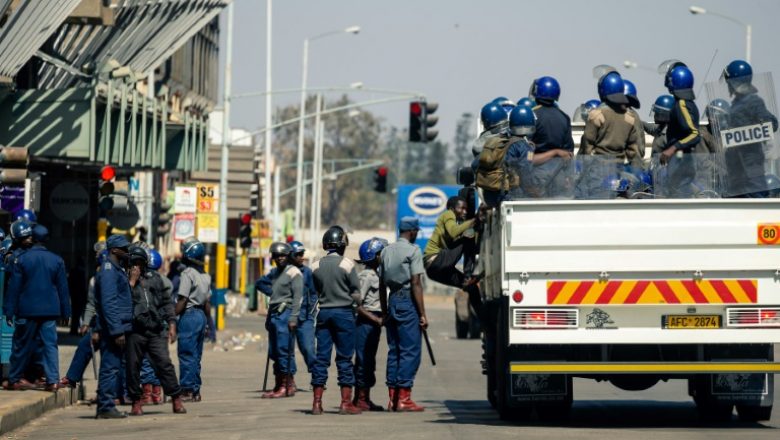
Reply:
x=547, y=155
x=686, y=119
x=185, y=286
x=360, y=295
x=165, y=306
x=592, y=125
x=765, y=115
x=382, y=288
x=297, y=296
x=416, y=269
x=89, y=309
x=635, y=152
x=568, y=141
x=265, y=283
x=61, y=283
x=12, y=292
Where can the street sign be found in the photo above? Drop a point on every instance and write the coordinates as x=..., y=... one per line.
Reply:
x=124, y=218
x=183, y=226
x=69, y=201
x=208, y=198
x=208, y=227
x=185, y=199
x=426, y=202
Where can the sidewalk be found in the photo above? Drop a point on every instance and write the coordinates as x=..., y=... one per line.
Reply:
x=20, y=407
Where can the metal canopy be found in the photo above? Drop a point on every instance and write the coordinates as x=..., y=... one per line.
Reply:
x=29, y=25
x=145, y=33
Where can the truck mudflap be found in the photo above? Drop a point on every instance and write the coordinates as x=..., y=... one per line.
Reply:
x=588, y=368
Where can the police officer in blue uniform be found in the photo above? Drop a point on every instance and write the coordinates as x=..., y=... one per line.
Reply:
x=746, y=163
x=37, y=296
x=114, y=304
x=494, y=123
x=553, y=126
x=404, y=313
x=305, y=332
x=682, y=133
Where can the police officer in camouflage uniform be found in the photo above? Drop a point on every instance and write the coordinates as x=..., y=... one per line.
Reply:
x=403, y=307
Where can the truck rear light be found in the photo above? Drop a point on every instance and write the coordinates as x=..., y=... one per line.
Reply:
x=753, y=317
x=517, y=296
x=545, y=318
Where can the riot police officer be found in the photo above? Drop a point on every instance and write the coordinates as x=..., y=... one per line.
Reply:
x=661, y=112
x=338, y=288
x=37, y=296
x=304, y=335
x=286, y=291
x=192, y=307
x=553, y=126
x=162, y=287
x=114, y=304
x=746, y=163
x=494, y=122
x=634, y=105
x=404, y=311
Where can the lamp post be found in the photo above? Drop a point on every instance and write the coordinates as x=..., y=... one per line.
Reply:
x=698, y=10
x=301, y=124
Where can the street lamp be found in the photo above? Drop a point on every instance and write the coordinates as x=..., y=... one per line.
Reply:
x=698, y=10
x=301, y=124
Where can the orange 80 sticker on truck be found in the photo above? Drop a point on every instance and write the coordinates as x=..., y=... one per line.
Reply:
x=768, y=234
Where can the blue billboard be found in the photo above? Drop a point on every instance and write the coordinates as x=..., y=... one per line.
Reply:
x=426, y=202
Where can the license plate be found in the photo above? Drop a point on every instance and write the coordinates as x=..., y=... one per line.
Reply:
x=691, y=321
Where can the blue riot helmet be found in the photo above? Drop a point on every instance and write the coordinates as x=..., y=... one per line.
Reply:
x=526, y=101
x=630, y=91
x=546, y=90
x=738, y=76
x=717, y=112
x=505, y=103
x=522, y=121
x=611, y=88
x=666, y=67
x=369, y=250
x=492, y=116
x=27, y=214
x=193, y=250
x=155, y=260
x=662, y=109
x=581, y=114
x=297, y=247
x=680, y=82
x=21, y=229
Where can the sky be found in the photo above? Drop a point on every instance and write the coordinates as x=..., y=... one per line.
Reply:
x=463, y=54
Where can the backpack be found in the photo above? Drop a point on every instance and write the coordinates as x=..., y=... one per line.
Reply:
x=492, y=172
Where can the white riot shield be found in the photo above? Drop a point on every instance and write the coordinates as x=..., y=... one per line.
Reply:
x=746, y=134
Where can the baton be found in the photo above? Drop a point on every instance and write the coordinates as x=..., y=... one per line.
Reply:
x=290, y=353
x=94, y=365
x=428, y=344
x=265, y=376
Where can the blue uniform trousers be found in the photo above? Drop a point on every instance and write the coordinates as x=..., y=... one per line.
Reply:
x=403, y=340
x=366, y=346
x=335, y=325
x=30, y=335
x=192, y=327
x=147, y=373
x=281, y=345
x=305, y=338
x=80, y=360
x=112, y=373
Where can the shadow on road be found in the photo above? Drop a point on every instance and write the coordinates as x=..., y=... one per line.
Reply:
x=598, y=414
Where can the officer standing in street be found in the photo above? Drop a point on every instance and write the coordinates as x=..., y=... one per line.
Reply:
x=152, y=388
x=37, y=297
x=369, y=324
x=304, y=334
x=285, y=293
x=192, y=307
x=336, y=280
x=114, y=304
x=152, y=310
x=682, y=133
x=401, y=273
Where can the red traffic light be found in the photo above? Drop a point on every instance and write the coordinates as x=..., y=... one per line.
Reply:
x=107, y=173
x=381, y=171
x=246, y=219
x=415, y=108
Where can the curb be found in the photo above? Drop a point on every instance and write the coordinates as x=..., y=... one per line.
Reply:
x=33, y=407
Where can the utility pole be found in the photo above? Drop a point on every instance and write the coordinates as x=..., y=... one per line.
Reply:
x=221, y=281
x=268, y=111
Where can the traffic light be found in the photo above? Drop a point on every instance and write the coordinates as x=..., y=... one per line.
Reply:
x=163, y=218
x=13, y=164
x=422, y=120
x=245, y=231
x=106, y=188
x=380, y=179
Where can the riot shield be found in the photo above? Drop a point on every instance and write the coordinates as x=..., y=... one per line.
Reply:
x=553, y=179
x=599, y=177
x=688, y=176
x=747, y=134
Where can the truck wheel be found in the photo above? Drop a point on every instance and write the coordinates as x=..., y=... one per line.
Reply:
x=461, y=328
x=754, y=413
x=505, y=410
